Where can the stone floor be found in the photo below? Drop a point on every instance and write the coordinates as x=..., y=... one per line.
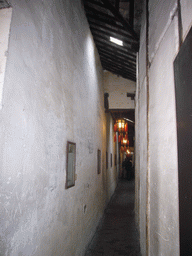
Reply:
x=117, y=233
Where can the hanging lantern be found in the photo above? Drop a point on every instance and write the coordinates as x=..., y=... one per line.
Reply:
x=115, y=127
x=124, y=141
x=125, y=148
x=126, y=127
x=121, y=125
x=119, y=138
x=115, y=137
x=126, y=136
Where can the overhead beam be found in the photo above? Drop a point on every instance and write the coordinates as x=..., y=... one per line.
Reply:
x=112, y=50
x=120, y=18
x=106, y=21
x=114, y=46
x=107, y=33
x=117, y=66
x=131, y=12
x=118, y=72
x=115, y=29
x=106, y=36
x=118, y=59
x=101, y=14
x=117, y=5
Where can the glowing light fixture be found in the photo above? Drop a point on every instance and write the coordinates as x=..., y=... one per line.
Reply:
x=124, y=141
x=121, y=125
x=116, y=41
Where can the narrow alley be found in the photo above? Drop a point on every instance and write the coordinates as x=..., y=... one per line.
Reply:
x=117, y=234
x=85, y=85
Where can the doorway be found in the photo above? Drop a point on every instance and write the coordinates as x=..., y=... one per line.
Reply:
x=183, y=90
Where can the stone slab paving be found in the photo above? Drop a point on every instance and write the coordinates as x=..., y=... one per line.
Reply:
x=117, y=234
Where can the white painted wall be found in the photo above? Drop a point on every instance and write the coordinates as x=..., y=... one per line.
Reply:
x=111, y=149
x=162, y=166
x=53, y=92
x=117, y=87
x=141, y=140
x=5, y=20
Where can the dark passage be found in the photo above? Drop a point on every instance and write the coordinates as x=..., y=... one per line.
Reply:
x=117, y=234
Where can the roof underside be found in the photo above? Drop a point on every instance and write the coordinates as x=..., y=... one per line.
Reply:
x=115, y=18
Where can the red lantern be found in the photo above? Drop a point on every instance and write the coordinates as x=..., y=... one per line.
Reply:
x=126, y=127
x=126, y=136
x=121, y=125
x=115, y=127
x=115, y=137
x=119, y=139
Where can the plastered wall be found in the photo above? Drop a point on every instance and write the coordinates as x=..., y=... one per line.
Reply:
x=112, y=150
x=52, y=93
x=160, y=162
x=5, y=20
x=141, y=140
x=117, y=87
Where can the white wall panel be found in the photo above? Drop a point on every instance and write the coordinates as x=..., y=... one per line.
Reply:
x=160, y=17
x=117, y=87
x=186, y=11
x=53, y=92
x=164, y=225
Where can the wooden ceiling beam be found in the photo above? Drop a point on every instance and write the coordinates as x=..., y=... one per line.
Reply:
x=96, y=3
x=117, y=58
x=117, y=4
x=99, y=14
x=107, y=33
x=112, y=29
x=120, y=72
x=117, y=66
x=131, y=12
x=120, y=18
x=112, y=50
x=115, y=47
x=106, y=36
x=106, y=22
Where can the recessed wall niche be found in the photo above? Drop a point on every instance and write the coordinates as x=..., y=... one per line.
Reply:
x=70, y=164
x=98, y=161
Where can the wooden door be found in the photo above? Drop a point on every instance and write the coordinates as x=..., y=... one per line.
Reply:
x=183, y=89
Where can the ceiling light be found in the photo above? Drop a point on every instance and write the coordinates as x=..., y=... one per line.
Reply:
x=116, y=41
x=129, y=120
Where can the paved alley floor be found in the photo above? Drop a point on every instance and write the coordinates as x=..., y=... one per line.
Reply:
x=117, y=234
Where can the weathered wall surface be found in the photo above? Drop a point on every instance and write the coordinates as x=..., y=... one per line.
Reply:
x=117, y=87
x=162, y=169
x=5, y=20
x=186, y=9
x=112, y=151
x=53, y=92
x=141, y=140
